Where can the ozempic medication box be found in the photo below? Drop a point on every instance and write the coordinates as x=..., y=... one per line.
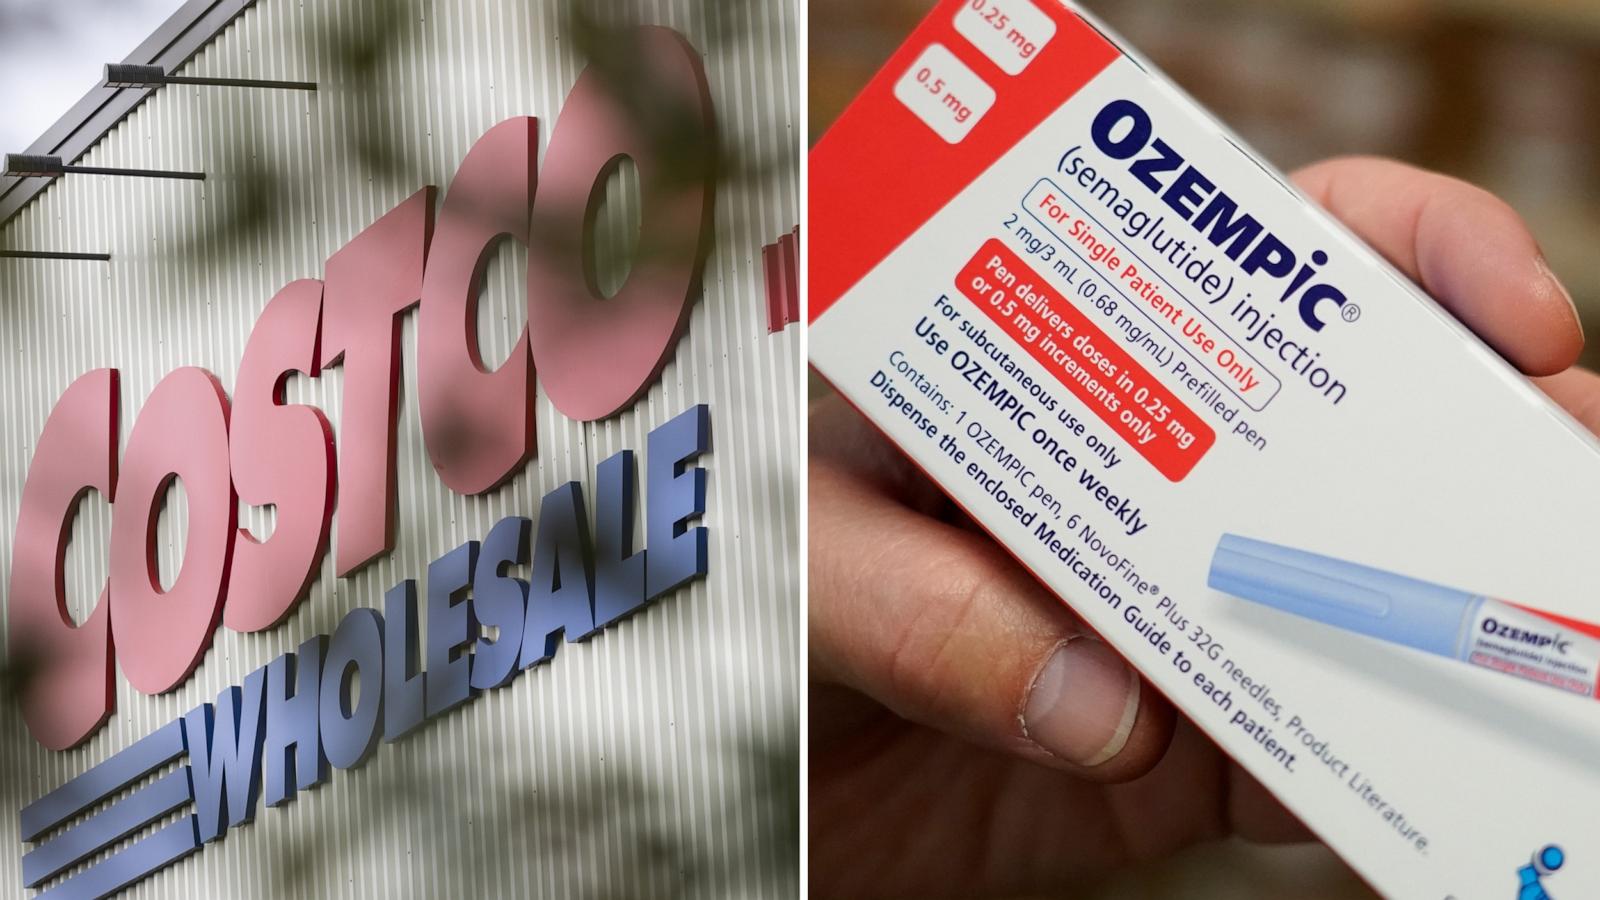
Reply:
x=1338, y=531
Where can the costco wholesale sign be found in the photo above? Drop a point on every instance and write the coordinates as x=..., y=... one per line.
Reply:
x=435, y=640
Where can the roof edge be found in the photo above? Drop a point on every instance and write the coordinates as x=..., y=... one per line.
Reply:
x=194, y=25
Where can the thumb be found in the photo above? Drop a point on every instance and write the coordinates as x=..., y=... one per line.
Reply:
x=940, y=626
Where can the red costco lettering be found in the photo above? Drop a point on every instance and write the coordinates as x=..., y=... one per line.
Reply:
x=596, y=358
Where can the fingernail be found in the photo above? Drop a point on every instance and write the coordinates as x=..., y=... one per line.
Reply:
x=1082, y=703
x=1560, y=289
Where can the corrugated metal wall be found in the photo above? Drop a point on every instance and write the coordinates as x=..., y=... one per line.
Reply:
x=660, y=758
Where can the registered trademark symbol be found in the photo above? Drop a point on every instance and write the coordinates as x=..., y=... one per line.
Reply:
x=1350, y=312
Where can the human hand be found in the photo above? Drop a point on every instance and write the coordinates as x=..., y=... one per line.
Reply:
x=970, y=736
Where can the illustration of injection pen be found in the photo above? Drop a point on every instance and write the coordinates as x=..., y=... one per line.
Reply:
x=1483, y=631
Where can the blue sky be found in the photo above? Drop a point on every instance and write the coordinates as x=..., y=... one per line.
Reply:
x=52, y=53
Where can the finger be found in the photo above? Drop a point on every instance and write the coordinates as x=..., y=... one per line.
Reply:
x=1465, y=246
x=941, y=627
x=1578, y=392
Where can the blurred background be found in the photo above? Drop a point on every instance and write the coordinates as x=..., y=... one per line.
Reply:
x=1499, y=92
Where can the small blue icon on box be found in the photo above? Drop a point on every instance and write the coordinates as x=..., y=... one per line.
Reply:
x=1545, y=862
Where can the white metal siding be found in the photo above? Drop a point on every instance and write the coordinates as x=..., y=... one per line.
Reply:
x=657, y=759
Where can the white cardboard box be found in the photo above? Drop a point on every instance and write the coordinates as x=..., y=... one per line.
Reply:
x=1115, y=337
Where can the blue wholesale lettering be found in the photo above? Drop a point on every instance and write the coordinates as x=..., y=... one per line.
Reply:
x=561, y=593
x=451, y=628
x=618, y=571
x=292, y=748
x=355, y=655
x=500, y=602
x=227, y=739
x=404, y=682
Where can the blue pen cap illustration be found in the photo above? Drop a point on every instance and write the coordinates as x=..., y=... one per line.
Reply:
x=1356, y=598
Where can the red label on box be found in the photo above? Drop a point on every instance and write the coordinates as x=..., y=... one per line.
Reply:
x=881, y=173
x=1122, y=393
